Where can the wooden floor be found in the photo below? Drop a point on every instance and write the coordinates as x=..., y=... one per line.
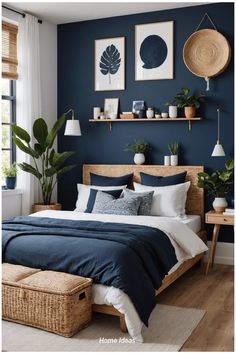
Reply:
x=213, y=293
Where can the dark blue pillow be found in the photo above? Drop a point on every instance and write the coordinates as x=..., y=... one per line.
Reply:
x=92, y=196
x=160, y=181
x=98, y=180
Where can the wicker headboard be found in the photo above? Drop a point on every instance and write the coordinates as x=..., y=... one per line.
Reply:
x=195, y=200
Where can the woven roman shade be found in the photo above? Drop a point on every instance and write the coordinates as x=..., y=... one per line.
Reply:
x=9, y=51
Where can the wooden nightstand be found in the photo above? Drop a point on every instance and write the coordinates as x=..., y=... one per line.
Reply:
x=217, y=219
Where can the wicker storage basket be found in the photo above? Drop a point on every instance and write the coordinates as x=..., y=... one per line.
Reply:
x=53, y=301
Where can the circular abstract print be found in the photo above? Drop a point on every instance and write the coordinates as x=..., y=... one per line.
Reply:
x=153, y=51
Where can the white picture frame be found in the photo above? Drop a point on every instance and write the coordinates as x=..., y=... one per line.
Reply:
x=111, y=108
x=154, y=51
x=109, y=62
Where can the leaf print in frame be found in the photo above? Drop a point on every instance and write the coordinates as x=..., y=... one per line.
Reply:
x=109, y=64
x=110, y=61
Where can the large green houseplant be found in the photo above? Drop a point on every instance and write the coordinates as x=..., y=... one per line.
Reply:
x=218, y=184
x=47, y=164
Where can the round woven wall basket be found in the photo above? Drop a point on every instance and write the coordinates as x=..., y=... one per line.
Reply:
x=206, y=53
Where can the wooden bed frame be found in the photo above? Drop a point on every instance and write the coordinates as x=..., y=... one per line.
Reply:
x=194, y=206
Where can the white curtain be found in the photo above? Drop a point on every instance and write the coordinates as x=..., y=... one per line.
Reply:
x=28, y=100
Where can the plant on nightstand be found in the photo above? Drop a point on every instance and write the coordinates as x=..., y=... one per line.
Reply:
x=218, y=184
x=47, y=164
x=174, y=149
x=10, y=175
x=138, y=147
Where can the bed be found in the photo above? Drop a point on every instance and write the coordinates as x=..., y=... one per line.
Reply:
x=194, y=207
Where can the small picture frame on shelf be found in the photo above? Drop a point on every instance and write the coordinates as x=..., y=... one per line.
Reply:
x=137, y=105
x=111, y=108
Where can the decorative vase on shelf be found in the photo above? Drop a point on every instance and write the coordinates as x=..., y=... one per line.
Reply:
x=142, y=113
x=173, y=113
x=164, y=115
x=173, y=160
x=190, y=111
x=219, y=204
x=139, y=158
x=150, y=113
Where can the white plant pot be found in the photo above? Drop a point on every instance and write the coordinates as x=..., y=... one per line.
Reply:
x=173, y=113
x=219, y=204
x=150, y=113
x=174, y=160
x=139, y=159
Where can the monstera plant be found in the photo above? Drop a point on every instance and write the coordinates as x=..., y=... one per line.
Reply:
x=47, y=164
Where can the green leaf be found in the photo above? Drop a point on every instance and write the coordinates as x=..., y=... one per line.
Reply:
x=65, y=169
x=26, y=149
x=229, y=165
x=28, y=168
x=52, y=134
x=49, y=172
x=51, y=156
x=39, y=149
x=40, y=131
x=21, y=133
x=59, y=158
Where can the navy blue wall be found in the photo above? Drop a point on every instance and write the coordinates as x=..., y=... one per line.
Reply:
x=97, y=144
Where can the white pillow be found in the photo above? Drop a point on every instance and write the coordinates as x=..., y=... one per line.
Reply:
x=167, y=201
x=84, y=191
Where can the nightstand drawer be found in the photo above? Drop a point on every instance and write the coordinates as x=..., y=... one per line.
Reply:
x=219, y=219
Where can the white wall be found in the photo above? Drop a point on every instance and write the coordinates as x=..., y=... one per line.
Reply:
x=48, y=70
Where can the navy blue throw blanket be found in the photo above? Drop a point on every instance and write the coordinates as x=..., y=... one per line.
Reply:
x=129, y=257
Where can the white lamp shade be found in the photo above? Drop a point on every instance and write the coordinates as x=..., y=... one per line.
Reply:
x=72, y=127
x=218, y=150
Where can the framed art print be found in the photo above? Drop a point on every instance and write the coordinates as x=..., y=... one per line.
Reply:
x=111, y=107
x=109, y=64
x=154, y=51
x=137, y=105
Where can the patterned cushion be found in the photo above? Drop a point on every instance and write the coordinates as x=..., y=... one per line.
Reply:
x=92, y=197
x=107, y=204
x=146, y=200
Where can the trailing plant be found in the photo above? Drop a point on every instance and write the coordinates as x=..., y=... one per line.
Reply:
x=218, y=183
x=183, y=99
x=173, y=148
x=10, y=171
x=47, y=164
x=138, y=147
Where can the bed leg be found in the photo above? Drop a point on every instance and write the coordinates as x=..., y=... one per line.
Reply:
x=123, y=324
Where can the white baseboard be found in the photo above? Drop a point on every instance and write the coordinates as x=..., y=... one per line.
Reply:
x=224, y=253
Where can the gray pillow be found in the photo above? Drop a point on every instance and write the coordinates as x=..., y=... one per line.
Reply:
x=107, y=204
x=146, y=200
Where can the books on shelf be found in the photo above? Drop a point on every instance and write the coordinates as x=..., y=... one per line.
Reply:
x=228, y=211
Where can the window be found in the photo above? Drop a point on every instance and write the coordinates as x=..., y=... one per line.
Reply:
x=8, y=117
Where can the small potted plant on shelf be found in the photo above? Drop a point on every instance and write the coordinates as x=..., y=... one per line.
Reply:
x=157, y=113
x=218, y=184
x=174, y=149
x=188, y=102
x=10, y=175
x=139, y=147
x=47, y=164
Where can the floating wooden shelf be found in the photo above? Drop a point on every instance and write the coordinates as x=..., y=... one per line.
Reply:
x=111, y=121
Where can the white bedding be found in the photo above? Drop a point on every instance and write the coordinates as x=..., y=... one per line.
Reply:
x=186, y=243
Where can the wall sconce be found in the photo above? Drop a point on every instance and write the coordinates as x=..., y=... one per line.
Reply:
x=218, y=149
x=72, y=125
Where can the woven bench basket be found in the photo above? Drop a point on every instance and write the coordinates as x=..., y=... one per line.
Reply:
x=53, y=301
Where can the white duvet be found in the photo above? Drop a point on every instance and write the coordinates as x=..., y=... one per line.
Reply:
x=186, y=243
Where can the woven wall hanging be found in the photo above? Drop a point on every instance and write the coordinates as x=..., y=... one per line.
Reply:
x=206, y=52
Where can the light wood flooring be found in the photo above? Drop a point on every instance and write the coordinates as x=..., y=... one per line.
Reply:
x=213, y=293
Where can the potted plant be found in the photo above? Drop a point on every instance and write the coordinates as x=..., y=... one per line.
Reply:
x=188, y=102
x=174, y=149
x=157, y=114
x=10, y=175
x=138, y=147
x=218, y=184
x=173, y=109
x=47, y=164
